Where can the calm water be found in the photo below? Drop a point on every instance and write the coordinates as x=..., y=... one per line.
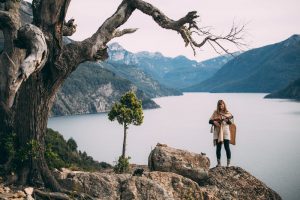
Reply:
x=268, y=134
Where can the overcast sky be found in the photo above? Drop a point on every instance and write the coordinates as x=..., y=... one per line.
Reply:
x=268, y=21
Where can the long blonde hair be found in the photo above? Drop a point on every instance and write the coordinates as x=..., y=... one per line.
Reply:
x=218, y=107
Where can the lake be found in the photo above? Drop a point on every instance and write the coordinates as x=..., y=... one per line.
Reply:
x=268, y=134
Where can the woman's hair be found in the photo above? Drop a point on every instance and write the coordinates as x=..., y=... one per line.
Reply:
x=218, y=108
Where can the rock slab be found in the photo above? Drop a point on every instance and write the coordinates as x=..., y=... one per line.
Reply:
x=236, y=183
x=191, y=165
x=151, y=185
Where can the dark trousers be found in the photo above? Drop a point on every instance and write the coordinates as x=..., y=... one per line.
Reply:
x=227, y=149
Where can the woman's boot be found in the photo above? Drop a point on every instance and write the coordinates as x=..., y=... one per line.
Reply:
x=228, y=162
x=219, y=163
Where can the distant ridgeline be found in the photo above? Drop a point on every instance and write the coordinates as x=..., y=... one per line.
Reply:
x=266, y=69
x=178, y=72
x=292, y=91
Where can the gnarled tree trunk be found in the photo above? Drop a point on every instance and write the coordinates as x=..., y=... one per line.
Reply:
x=32, y=106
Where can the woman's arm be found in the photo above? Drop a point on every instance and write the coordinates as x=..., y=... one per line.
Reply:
x=229, y=120
x=211, y=121
x=214, y=122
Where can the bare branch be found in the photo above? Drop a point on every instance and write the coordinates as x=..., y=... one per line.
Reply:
x=187, y=27
x=234, y=36
x=213, y=47
x=69, y=28
x=94, y=48
x=93, y=45
x=118, y=33
x=159, y=17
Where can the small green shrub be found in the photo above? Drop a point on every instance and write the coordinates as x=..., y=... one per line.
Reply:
x=61, y=153
x=58, y=153
x=122, y=165
x=53, y=159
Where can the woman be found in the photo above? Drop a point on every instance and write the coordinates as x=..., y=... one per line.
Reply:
x=220, y=120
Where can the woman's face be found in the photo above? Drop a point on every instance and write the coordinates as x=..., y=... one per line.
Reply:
x=221, y=106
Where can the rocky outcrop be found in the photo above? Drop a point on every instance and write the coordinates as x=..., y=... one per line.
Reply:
x=190, y=165
x=222, y=183
x=152, y=185
x=177, y=186
x=216, y=183
x=236, y=183
x=219, y=183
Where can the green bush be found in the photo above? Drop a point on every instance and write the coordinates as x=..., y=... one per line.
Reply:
x=53, y=159
x=72, y=144
x=122, y=165
x=61, y=153
x=58, y=153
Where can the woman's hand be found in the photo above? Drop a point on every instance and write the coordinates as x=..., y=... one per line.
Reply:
x=229, y=120
x=216, y=124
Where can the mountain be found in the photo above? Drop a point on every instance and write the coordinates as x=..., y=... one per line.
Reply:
x=95, y=86
x=146, y=83
x=264, y=69
x=292, y=91
x=92, y=89
x=178, y=72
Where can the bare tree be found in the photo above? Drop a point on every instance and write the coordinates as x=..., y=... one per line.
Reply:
x=35, y=62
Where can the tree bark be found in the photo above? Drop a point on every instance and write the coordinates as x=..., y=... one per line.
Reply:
x=33, y=102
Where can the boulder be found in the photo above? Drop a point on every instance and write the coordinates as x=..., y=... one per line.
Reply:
x=98, y=185
x=236, y=183
x=168, y=159
x=177, y=186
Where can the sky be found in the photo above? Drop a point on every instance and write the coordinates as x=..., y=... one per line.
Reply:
x=267, y=22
